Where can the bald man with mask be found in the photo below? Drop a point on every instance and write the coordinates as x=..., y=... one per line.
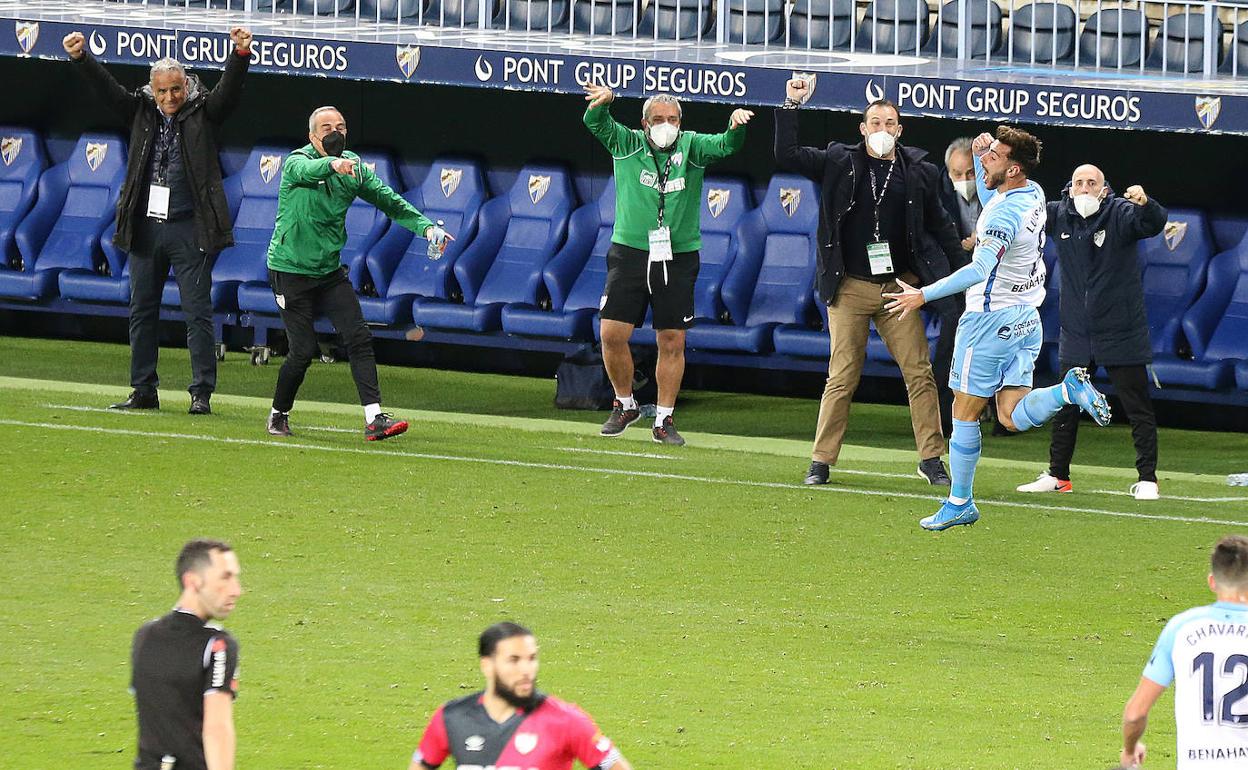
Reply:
x=1102, y=316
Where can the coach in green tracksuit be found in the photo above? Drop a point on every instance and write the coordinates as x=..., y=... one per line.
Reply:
x=653, y=258
x=319, y=183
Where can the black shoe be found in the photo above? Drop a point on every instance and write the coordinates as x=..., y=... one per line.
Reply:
x=200, y=405
x=383, y=427
x=139, y=399
x=279, y=424
x=666, y=433
x=620, y=419
x=818, y=473
x=933, y=471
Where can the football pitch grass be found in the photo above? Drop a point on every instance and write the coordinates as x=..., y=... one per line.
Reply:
x=700, y=603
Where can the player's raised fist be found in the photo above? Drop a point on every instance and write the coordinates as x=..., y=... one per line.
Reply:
x=797, y=89
x=73, y=44
x=242, y=39
x=982, y=143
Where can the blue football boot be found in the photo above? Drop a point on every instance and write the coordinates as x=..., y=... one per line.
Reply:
x=1078, y=390
x=951, y=515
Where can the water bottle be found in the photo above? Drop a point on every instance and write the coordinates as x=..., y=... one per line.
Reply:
x=435, y=249
x=167, y=762
x=1237, y=480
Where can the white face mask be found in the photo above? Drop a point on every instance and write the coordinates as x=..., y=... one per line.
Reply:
x=965, y=188
x=663, y=135
x=881, y=143
x=1087, y=205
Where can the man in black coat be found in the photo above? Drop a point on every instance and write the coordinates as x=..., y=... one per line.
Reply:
x=1101, y=311
x=880, y=220
x=172, y=209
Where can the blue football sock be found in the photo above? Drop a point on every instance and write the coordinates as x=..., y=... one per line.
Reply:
x=1038, y=407
x=964, y=448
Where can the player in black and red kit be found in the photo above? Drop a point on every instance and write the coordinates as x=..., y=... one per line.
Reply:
x=184, y=671
x=511, y=725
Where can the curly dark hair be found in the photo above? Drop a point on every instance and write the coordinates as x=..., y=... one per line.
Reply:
x=1024, y=148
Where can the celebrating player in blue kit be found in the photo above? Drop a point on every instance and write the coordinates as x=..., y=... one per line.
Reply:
x=999, y=335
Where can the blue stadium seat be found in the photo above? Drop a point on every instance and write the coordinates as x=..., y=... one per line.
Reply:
x=890, y=26
x=769, y=282
x=366, y=224
x=595, y=16
x=1228, y=230
x=109, y=287
x=458, y=13
x=574, y=278
x=755, y=21
x=1111, y=34
x=22, y=161
x=821, y=24
x=533, y=14
x=1045, y=31
x=76, y=201
x=252, y=194
x=806, y=340
x=1236, y=61
x=1216, y=327
x=677, y=19
x=1180, y=44
x=399, y=266
x=1174, y=266
x=390, y=10
x=986, y=36
x=519, y=233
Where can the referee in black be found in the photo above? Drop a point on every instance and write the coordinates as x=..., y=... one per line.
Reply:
x=184, y=670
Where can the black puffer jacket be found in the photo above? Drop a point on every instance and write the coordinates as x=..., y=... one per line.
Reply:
x=936, y=250
x=197, y=121
x=1101, y=307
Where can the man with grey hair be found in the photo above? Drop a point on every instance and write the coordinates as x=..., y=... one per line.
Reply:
x=320, y=181
x=171, y=210
x=653, y=259
x=958, y=196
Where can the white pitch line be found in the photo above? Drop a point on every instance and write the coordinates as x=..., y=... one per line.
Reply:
x=647, y=455
x=652, y=456
x=1241, y=499
x=823, y=489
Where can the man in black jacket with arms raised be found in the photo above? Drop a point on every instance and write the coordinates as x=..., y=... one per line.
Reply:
x=172, y=209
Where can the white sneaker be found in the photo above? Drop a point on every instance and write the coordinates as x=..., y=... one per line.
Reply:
x=1145, y=490
x=1046, y=483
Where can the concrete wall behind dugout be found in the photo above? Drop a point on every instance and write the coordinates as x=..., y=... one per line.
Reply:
x=508, y=129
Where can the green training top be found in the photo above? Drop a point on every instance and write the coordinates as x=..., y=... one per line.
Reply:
x=637, y=169
x=312, y=204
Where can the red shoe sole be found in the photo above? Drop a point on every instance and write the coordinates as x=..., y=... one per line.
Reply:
x=393, y=430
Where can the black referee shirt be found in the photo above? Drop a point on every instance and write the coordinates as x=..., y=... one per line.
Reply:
x=175, y=661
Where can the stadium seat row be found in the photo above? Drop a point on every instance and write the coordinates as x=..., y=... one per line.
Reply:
x=530, y=263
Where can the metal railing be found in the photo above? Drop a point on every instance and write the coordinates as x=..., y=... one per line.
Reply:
x=1187, y=38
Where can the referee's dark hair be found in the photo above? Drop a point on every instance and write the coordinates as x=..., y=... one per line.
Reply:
x=197, y=554
x=496, y=633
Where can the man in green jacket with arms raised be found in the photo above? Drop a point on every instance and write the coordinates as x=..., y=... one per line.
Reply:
x=319, y=183
x=653, y=258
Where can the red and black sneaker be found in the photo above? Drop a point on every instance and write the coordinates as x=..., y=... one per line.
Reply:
x=384, y=426
x=279, y=424
x=620, y=419
x=666, y=433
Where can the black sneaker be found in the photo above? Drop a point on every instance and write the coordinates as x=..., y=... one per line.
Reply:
x=383, y=427
x=279, y=424
x=200, y=405
x=139, y=399
x=933, y=471
x=620, y=419
x=666, y=433
x=818, y=473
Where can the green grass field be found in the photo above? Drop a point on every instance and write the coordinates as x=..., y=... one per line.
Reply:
x=705, y=607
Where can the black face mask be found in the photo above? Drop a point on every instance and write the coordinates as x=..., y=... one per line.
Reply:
x=334, y=143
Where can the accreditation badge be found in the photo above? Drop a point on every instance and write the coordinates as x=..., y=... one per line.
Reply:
x=661, y=245
x=158, y=202
x=880, y=257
